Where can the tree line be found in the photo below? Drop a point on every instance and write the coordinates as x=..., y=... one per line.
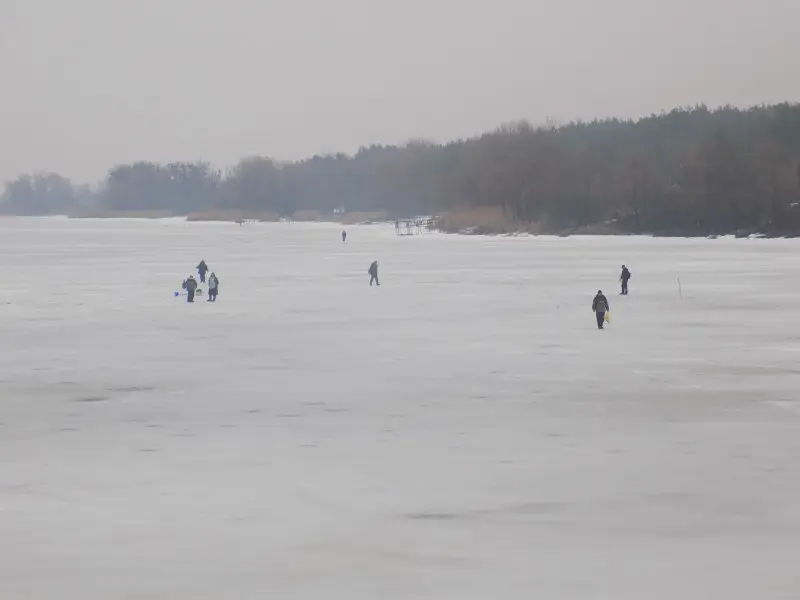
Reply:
x=691, y=171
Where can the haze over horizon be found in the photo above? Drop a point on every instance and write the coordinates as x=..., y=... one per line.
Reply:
x=103, y=82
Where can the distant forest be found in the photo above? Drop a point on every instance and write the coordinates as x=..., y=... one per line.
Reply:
x=688, y=172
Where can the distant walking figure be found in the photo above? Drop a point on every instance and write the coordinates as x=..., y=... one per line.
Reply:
x=344, y=235
x=600, y=306
x=202, y=269
x=213, y=288
x=191, y=287
x=626, y=275
x=373, y=273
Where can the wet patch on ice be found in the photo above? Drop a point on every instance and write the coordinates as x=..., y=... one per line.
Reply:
x=432, y=516
x=515, y=511
x=133, y=389
x=91, y=399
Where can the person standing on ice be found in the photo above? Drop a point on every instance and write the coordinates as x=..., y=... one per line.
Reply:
x=344, y=235
x=202, y=269
x=624, y=278
x=191, y=287
x=213, y=288
x=373, y=273
x=600, y=306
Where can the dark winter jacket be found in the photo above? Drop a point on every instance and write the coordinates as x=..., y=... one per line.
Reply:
x=600, y=304
x=202, y=267
x=626, y=275
x=373, y=269
x=191, y=284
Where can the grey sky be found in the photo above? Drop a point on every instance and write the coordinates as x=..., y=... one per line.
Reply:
x=90, y=83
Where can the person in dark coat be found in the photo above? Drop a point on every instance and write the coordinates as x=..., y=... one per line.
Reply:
x=191, y=287
x=624, y=278
x=600, y=306
x=373, y=273
x=202, y=269
x=213, y=287
x=344, y=235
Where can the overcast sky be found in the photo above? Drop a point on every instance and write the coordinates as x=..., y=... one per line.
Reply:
x=86, y=84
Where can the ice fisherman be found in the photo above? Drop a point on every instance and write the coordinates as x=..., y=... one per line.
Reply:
x=190, y=285
x=202, y=269
x=213, y=287
x=373, y=273
x=600, y=306
x=344, y=235
x=624, y=278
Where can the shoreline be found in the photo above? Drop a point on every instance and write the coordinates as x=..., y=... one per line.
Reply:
x=473, y=231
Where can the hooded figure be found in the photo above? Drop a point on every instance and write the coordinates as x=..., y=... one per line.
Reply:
x=213, y=287
x=624, y=277
x=344, y=235
x=202, y=269
x=191, y=288
x=600, y=306
x=373, y=273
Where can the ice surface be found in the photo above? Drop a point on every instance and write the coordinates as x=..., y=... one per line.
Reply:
x=463, y=431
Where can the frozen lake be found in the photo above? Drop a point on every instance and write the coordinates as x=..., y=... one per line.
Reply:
x=464, y=431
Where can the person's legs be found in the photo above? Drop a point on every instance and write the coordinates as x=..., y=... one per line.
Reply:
x=371, y=279
x=601, y=317
x=190, y=297
x=625, y=288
